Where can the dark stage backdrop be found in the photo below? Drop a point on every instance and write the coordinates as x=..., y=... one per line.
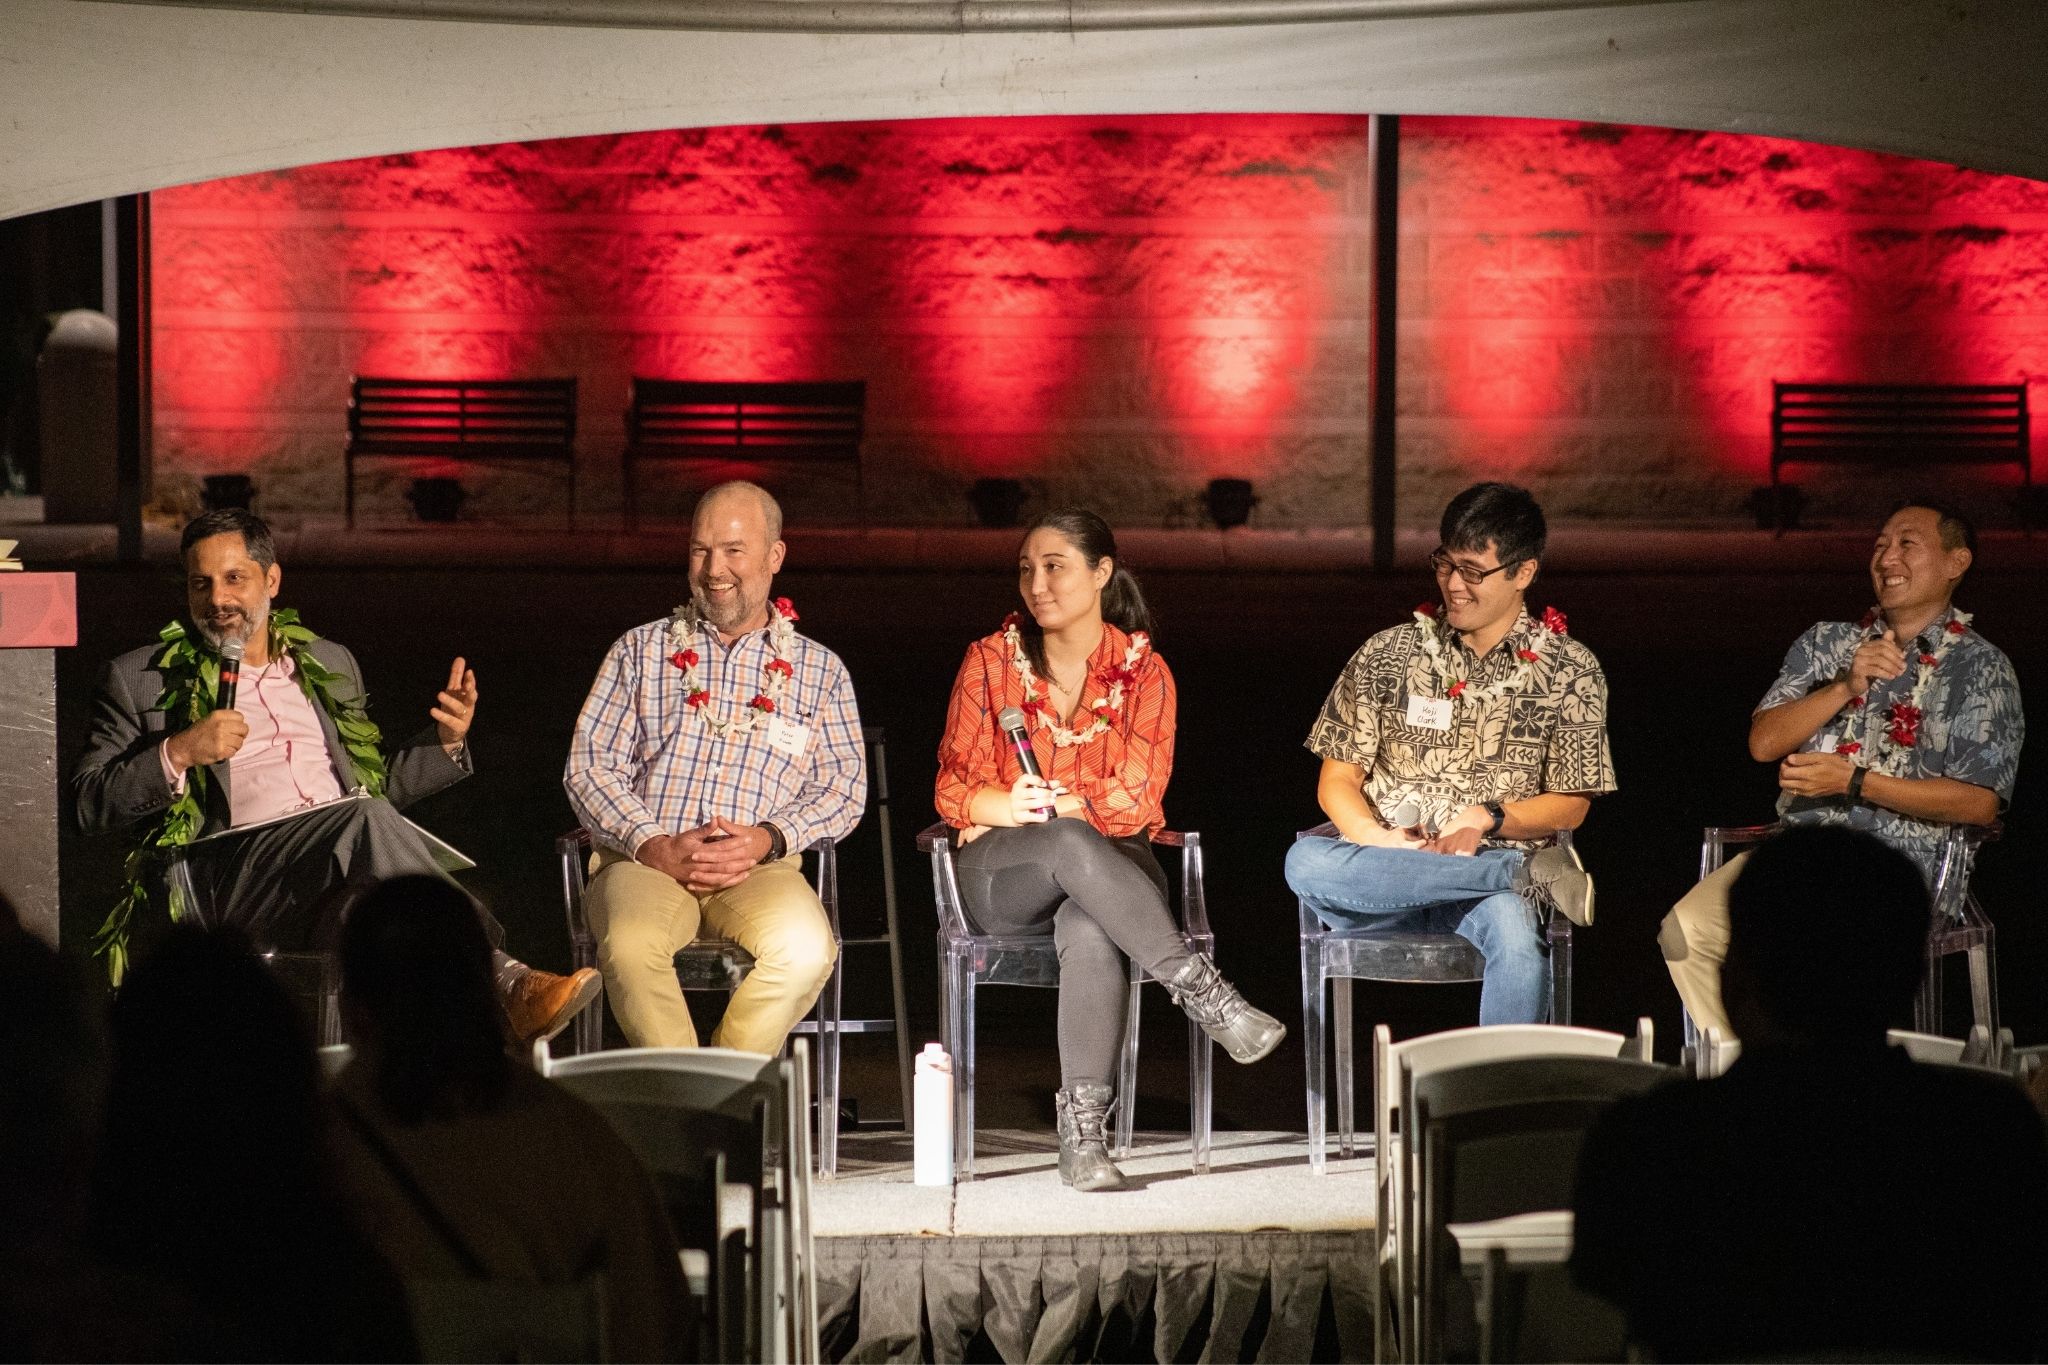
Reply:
x=1686, y=659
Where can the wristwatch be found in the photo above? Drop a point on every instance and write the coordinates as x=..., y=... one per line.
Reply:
x=1855, y=792
x=778, y=846
x=1499, y=814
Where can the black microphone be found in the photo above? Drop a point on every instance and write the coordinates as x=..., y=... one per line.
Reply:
x=230, y=675
x=1012, y=721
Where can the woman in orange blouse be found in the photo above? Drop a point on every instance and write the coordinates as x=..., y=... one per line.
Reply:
x=1068, y=853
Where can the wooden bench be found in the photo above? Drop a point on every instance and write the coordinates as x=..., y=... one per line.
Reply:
x=752, y=423
x=479, y=420
x=1896, y=425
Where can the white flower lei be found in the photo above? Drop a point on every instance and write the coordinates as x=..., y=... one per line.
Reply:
x=1105, y=708
x=682, y=633
x=1460, y=689
x=1882, y=740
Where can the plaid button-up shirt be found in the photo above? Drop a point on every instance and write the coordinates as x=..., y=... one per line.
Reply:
x=644, y=763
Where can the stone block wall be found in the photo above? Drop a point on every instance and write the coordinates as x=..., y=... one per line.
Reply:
x=1113, y=310
x=1600, y=311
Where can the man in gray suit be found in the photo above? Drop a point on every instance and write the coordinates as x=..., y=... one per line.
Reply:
x=279, y=752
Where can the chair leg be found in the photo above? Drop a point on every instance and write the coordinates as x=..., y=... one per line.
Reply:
x=829, y=1010
x=1927, y=1006
x=1561, y=981
x=963, y=1074
x=1201, y=1097
x=1127, y=1065
x=1312, y=1052
x=1984, y=985
x=1340, y=1024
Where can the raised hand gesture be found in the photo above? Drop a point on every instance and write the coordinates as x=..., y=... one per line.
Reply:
x=455, y=708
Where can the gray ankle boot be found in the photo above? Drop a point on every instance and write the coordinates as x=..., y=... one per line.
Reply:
x=1246, y=1033
x=1083, y=1117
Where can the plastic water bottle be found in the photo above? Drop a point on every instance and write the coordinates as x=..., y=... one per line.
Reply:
x=931, y=1096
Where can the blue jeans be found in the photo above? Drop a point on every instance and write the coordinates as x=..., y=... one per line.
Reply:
x=1352, y=886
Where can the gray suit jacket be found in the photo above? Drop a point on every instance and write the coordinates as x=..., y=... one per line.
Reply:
x=120, y=780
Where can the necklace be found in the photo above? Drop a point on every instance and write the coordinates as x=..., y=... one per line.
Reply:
x=1890, y=737
x=1103, y=711
x=1458, y=688
x=683, y=624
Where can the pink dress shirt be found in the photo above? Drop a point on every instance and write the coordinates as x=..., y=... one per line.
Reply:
x=283, y=765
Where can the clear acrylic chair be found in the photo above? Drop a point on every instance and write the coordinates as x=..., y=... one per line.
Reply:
x=311, y=978
x=711, y=963
x=1337, y=957
x=1959, y=924
x=968, y=959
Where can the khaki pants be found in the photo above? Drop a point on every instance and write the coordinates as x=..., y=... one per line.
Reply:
x=1694, y=938
x=642, y=918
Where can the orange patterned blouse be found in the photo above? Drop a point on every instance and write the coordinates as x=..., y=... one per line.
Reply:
x=1120, y=775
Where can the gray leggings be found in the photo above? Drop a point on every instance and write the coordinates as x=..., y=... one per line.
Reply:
x=1104, y=900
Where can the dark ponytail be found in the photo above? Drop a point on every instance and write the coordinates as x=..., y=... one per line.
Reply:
x=1123, y=601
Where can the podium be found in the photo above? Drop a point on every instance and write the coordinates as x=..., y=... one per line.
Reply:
x=38, y=616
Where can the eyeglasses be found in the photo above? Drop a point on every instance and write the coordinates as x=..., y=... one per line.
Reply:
x=1443, y=566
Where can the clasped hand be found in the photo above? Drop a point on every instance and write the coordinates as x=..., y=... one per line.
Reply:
x=708, y=858
x=1460, y=838
x=1815, y=774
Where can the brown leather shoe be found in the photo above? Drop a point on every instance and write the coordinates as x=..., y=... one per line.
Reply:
x=540, y=1004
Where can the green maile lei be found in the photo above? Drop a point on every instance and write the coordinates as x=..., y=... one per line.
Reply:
x=191, y=673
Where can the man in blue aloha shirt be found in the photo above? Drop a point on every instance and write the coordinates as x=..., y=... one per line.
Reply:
x=1904, y=724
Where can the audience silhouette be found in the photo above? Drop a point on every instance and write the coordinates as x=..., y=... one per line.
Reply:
x=216, y=1174
x=1827, y=1196
x=465, y=1166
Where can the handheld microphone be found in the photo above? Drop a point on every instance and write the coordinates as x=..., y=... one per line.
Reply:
x=1012, y=722
x=230, y=675
x=1408, y=815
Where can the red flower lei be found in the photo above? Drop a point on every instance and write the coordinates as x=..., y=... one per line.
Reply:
x=682, y=630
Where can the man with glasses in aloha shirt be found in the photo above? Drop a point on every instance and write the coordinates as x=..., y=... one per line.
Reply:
x=1454, y=747
x=1902, y=724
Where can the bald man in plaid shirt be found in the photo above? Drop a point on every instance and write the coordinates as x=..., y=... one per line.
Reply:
x=714, y=747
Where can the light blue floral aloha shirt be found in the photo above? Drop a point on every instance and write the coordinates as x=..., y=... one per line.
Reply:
x=1971, y=730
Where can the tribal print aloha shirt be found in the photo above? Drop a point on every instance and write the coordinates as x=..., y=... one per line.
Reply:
x=1550, y=736
x=1971, y=729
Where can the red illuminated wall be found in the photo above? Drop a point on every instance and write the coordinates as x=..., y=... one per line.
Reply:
x=1115, y=310
x=1600, y=311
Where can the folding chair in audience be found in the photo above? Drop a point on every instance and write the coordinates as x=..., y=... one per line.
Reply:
x=1395, y=1069
x=704, y=1120
x=1336, y=957
x=1497, y=1138
x=968, y=959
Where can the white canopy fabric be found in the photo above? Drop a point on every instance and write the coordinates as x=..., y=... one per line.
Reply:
x=100, y=98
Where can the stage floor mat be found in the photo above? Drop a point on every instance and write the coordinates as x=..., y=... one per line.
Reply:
x=1257, y=1182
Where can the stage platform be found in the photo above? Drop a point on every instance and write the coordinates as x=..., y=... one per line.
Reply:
x=1258, y=1260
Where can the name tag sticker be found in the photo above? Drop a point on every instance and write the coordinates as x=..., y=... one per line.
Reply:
x=787, y=736
x=1429, y=713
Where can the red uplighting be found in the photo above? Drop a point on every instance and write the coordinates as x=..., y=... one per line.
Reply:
x=1027, y=296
